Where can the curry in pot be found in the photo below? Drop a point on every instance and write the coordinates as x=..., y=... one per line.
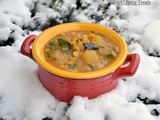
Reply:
x=80, y=51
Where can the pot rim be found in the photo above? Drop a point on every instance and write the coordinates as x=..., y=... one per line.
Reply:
x=37, y=55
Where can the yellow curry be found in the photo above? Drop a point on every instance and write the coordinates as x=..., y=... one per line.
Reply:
x=80, y=51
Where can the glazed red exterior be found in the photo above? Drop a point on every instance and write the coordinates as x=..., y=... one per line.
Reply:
x=64, y=89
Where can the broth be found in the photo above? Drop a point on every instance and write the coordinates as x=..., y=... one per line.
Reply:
x=80, y=51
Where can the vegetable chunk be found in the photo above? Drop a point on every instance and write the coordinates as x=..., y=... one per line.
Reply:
x=90, y=57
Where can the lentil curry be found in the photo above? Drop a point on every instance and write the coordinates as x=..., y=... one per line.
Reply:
x=80, y=51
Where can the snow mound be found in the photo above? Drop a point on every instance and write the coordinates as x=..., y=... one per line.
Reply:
x=4, y=33
x=14, y=16
x=152, y=36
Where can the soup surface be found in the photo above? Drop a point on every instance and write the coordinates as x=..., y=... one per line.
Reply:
x=80, y=51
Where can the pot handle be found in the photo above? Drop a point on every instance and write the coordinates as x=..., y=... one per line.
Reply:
x=129, y=70
x=25, y=48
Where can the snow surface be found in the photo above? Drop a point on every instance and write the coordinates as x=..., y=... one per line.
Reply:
x=5, y=33
x=22, y=96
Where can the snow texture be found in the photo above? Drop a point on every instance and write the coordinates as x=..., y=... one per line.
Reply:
x=23, y=97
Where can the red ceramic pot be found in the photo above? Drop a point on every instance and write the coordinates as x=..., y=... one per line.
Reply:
x=65, y=85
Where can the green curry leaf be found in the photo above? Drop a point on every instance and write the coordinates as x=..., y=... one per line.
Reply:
x=65, y=46
x=50, y=52
x=53, y=43
x=71, y=66
x=91, y=66
x=110, y=56
x=100, y=34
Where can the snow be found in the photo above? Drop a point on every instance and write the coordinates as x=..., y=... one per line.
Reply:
x=149, y=30
x=119, y=25
x=23, y=97
x=112, y=10
x=107, y=107
x=5, y=33
x=148, y=14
